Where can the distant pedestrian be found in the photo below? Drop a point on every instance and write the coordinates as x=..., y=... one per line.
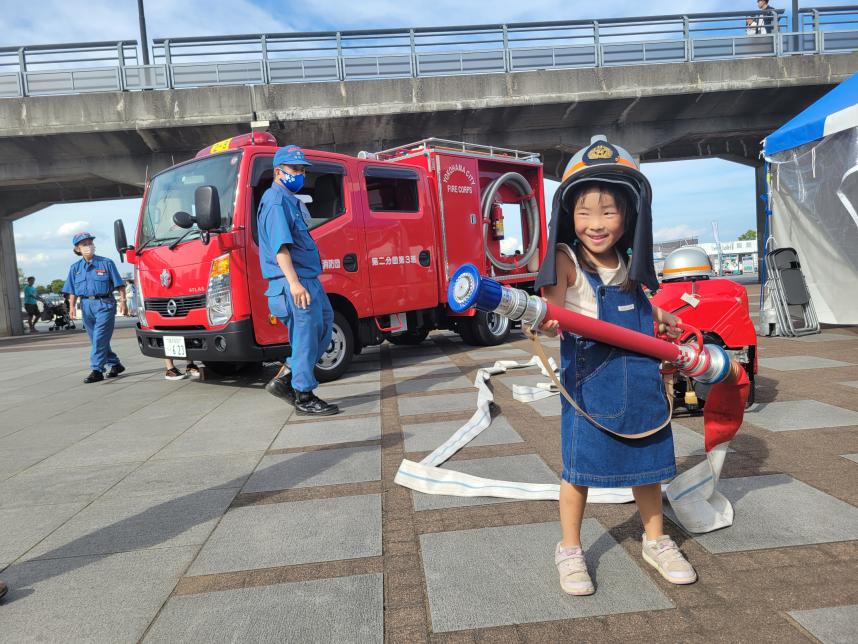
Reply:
x=93, y=279
x=31, y=306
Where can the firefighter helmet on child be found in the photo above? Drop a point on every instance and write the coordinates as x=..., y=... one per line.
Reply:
x=604, y=162
x=687, y=262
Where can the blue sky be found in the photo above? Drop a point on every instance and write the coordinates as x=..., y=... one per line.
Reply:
x=688, y=195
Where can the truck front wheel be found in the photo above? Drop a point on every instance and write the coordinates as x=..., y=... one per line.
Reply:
x=338, y=356
x=489, y=329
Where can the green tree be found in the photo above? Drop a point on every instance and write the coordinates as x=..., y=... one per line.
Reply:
x=56, y=286
x=749, y=234
x=41, y=290
x=22, y=279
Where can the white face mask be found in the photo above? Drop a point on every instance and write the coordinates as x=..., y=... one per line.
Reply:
x=87, y=251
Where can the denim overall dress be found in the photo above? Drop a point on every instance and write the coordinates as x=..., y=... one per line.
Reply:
x=622, y=391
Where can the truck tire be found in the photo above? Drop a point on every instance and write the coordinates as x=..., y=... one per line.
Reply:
x=339, y=353
x=409, y=338
x=490, y=329
x=465, y=329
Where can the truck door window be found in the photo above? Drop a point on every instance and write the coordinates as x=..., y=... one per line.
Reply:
x=322, y=191
x=391, y=189
x=173, y=191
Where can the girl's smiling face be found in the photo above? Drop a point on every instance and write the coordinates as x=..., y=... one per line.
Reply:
x=599, y=223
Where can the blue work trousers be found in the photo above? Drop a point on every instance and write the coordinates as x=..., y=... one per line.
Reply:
x=98, y=318
x=310, y=331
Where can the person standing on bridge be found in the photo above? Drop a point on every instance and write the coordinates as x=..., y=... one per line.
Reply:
x=291, y=263
x=93, y=279
x=764, y=23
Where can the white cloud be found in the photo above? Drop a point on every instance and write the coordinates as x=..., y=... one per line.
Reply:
x=509, y=245
x=32, y=259
x=71, y=227
x=681, y=231
x=102, y=20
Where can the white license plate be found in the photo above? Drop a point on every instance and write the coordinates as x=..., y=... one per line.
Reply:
x=174, y=346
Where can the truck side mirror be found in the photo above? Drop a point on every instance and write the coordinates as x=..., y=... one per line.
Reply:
x=207, y=206
x=120, y=238
x=183, y=219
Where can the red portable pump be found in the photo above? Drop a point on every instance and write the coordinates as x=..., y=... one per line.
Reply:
x=718, y=307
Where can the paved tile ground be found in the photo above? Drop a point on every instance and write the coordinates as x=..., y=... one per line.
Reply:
x=835, y=625
x=144, y=510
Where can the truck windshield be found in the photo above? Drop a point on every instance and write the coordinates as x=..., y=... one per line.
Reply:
x=173, y=191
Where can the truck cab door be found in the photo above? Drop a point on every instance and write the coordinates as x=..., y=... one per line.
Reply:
x=400, y=234
x=333, y=227
x=267, y=330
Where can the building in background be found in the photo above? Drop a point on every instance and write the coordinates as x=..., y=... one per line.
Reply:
x=740, y=256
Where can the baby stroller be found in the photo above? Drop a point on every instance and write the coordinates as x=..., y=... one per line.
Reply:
x=59, y=315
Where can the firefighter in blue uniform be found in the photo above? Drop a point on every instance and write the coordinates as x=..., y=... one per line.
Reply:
x=291, y=263
x=92, y=279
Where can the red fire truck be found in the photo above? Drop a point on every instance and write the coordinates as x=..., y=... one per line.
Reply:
x=391, y=228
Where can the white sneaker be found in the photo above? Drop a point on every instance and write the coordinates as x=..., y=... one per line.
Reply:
x=574, y=578
x=664, y=555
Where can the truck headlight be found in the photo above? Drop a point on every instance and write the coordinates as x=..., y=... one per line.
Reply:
x=219, y=295
x=138, y=294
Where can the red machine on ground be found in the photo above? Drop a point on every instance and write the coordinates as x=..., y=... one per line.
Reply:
x=391, y=228
x=718, y=307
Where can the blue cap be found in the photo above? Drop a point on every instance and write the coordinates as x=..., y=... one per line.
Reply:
x=79, y=237
x=290, y=155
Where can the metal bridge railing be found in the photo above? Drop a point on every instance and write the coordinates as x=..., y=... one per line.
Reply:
x=419, y=52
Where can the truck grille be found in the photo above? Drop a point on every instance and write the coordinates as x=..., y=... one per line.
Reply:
x=183, y=305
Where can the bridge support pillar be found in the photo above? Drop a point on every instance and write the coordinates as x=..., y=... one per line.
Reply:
x=11, y=322
x=760, y=182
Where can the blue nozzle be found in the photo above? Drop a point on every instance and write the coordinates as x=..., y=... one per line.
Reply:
x=467, y=289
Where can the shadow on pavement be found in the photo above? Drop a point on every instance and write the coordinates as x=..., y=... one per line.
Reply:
x=170, y=519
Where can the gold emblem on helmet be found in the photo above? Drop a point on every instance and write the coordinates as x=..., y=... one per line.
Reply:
x=600, y=152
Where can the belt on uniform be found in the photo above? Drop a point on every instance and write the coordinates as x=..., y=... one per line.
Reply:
x=96, y=297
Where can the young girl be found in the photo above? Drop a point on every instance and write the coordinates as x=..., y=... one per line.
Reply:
x=601, y=213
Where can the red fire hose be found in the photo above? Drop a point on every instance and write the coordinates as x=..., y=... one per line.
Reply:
x=725, y=405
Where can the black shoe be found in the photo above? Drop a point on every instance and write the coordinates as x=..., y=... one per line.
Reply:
x=3, y=589
x=281, y=386
x=94, y=376
x=115, y=370
x=308, y=404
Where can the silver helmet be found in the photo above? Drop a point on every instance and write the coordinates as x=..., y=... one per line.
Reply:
x=687, y=262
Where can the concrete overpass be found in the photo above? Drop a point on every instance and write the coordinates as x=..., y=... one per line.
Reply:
x=100, y=146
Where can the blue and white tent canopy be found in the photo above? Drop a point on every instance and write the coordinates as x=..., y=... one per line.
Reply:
x=834, y=112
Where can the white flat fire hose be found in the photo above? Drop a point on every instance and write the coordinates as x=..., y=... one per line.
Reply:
x=697, y=505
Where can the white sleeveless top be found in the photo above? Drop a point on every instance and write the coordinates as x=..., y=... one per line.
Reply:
x=580, y=297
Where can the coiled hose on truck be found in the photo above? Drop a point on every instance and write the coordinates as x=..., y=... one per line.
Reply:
x=522, y=186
